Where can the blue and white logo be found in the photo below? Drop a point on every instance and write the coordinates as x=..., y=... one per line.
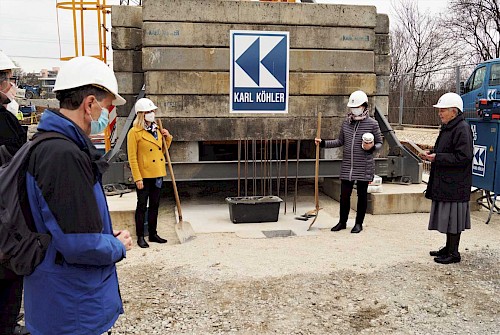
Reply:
x=259, y=71
x=479, y=160
x=492, y=93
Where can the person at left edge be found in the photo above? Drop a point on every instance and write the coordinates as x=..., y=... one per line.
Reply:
x=75, y=288
x=12, y=137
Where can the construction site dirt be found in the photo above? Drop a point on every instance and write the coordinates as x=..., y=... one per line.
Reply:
x=381, y=281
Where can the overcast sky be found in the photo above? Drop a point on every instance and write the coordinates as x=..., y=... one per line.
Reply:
x=29, y=31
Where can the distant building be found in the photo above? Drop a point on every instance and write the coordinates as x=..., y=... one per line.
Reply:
x=48, y=79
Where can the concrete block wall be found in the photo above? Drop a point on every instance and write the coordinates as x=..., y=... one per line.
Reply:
x=186, y=62
x=126, y=40
x=382, y=63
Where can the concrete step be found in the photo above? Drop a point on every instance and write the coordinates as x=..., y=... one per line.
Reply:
x=394, y=198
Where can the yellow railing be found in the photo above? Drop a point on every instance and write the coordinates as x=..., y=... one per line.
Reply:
x=78, y=8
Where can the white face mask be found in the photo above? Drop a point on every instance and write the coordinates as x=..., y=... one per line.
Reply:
x=150, y=117
x=357, y=111
x=12, y=106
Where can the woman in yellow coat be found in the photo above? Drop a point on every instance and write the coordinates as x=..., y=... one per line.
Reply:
x=147, y=162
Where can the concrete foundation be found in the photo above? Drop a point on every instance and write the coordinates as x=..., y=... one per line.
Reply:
x=184, y=151
x=216, y=59
x=331, y=153
x=188, y=82
x=382, y=26
x=212, y=35
x=123, y=38
x=260, y=13
x=383, y=85
x=233, y=128
x=383, y=65
x=126, y=16
x=130, y=83
x=127, y=61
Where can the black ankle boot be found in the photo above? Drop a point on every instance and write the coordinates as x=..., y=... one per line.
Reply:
x=338, y=227
x=156, y=238
x=357, y=228
x=141, y=242
x=441, y=252
x=448, y=259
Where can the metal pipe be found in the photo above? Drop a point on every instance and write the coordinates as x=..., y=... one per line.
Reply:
x=296, y=179
x=286, y=172
x=239, y=166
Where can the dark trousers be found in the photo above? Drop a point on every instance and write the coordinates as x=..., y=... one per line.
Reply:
x=11, y=292
x=346, y=187
x=151, y=192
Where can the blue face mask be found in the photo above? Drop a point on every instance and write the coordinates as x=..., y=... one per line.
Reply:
x=97, y=127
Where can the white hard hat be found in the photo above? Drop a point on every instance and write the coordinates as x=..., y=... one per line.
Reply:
x=84, y=70
x=6, y=63
x=357, y=98
x=449, y=100
x=144, y=105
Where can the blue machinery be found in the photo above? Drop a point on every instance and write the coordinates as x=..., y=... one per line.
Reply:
x=485, y=165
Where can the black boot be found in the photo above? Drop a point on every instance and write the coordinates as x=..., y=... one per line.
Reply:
x=357, y=228
x=141, y=242
x=444, y=250
x=453, y=255
x=156, y=238
x=339, y=226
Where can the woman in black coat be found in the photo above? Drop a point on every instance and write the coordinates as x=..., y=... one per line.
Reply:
x=450, y=179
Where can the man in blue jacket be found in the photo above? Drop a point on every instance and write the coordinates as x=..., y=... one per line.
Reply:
x=75, y=289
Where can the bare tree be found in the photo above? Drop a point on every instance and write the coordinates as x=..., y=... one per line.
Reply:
x=475, y=24
x=418, y=49
x=418, y=45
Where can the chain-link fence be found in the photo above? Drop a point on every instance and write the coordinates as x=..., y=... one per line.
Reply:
x=412, y=95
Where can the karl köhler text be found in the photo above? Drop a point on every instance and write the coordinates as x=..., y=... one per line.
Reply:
x=258, y=97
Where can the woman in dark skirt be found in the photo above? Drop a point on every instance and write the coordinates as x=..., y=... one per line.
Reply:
x=450, y=179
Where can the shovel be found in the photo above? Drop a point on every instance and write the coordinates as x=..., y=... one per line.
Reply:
x=183, y=229
x=316, y=174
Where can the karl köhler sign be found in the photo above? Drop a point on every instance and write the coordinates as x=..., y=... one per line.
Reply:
x=259, y=71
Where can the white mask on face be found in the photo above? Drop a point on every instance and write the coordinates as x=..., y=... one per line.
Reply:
x=357, y=111
x=12, y=106
x=150, y=117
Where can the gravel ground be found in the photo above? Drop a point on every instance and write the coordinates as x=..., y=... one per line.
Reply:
x=381, y=281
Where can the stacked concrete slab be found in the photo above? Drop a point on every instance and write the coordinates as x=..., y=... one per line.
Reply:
x=334, y=50
x=126, y=40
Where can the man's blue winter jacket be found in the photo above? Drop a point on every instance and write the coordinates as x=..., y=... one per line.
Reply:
x=75, y=289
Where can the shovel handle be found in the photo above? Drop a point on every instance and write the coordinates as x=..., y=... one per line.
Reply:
x=171, y=171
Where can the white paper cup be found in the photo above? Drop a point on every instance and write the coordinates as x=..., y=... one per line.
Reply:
x=368, y=137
